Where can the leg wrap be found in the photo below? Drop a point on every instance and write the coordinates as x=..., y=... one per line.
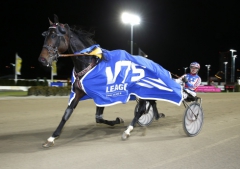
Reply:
x=139, y=113
x=129, y=129
x=155, y=111
x=67, y=114
x=99, y=115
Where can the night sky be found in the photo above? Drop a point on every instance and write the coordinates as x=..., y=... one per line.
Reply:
x=173, y=33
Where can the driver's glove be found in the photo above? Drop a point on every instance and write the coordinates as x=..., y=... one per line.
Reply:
x=184, y=79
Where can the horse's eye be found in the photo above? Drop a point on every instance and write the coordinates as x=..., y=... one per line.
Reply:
x=53, y=35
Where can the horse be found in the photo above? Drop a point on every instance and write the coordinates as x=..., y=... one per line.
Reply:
x=61, y=38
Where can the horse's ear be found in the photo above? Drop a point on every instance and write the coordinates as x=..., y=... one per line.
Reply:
x=56, y=19
x=50, y=22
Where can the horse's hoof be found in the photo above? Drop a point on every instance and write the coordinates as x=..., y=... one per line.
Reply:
x=125, y=135
x=162, y=115
x=48, y=144
x=120, y=120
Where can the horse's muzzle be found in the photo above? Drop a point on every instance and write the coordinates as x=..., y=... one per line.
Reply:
x=43, y=61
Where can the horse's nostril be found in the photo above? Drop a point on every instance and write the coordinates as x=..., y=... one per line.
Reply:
x=41, y=59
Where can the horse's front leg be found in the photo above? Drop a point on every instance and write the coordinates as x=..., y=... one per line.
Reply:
x=66, y=116
x=139, y=113
x=100, y=119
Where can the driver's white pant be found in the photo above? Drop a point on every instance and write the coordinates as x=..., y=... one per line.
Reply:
x=185, y=95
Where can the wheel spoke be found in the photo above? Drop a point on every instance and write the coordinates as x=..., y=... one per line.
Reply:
x=193, y=119
x=147, y=118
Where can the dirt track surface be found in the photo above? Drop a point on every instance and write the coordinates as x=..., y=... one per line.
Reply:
x=26, y=123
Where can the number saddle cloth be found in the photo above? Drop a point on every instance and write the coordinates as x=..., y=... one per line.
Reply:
x=121, y=77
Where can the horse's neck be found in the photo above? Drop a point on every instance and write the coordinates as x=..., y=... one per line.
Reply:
x=80, y=62
x=75, y=45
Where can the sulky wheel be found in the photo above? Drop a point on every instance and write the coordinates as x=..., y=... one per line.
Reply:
x=147, y=118
x=193, y=119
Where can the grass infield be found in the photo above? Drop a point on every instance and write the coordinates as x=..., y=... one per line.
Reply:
x=13, y=93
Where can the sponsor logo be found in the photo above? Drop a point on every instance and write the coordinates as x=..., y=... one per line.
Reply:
x=116, y=80
x=114, y=88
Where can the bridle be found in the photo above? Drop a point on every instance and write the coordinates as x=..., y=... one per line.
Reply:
x=53, y=51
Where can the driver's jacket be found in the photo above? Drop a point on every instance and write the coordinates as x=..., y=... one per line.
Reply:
x=193, y=81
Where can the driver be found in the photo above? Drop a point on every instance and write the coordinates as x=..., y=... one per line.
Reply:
x=191, y=80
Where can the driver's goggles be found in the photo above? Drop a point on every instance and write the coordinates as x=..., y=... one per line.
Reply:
x=193, y=67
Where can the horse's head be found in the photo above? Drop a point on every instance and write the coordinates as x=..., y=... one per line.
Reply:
x=56, y=42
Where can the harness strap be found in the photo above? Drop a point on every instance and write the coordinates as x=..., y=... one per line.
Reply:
x=83, y=72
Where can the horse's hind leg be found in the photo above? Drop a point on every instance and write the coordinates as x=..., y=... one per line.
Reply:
x=99, y=118
x=66, y=116
x=156, y=114
x=139, y=113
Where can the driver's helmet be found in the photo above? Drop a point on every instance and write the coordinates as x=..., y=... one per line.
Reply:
x=194, y=65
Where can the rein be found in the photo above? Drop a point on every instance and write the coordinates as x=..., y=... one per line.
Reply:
x=96, y=52
x=175, y=75
x=70, y=55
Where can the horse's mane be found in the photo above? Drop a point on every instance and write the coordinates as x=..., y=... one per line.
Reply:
x=84, y=36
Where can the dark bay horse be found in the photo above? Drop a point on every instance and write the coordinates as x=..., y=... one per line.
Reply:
x=61, y=38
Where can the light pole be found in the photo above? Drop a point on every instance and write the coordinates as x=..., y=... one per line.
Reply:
x=233, y=65
x=225, y=77
x=233, y=68
x=132, y=20
x=208, y=67
x=185, y=70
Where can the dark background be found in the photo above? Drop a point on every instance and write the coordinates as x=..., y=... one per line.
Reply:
x=172, y=33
